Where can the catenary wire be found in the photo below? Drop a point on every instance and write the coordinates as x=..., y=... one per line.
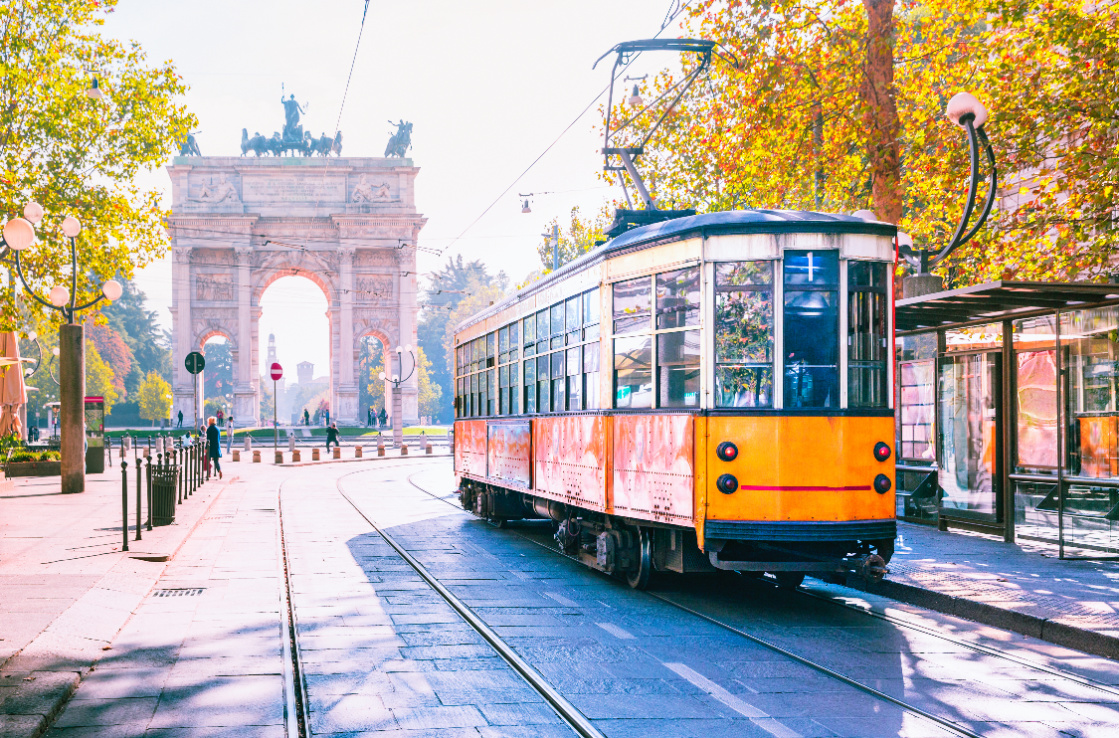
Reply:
x=349, y=77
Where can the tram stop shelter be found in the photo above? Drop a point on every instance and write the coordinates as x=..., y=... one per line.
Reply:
x=1008, y=412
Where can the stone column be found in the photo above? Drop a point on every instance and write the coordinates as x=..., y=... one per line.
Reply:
x=245, y=402
x=347, y=391
x=183, y=320
x=71, y=396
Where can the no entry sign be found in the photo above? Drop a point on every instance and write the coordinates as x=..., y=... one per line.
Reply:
x=277, y=371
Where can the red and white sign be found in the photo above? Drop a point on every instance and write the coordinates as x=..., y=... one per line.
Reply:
x=277, y=371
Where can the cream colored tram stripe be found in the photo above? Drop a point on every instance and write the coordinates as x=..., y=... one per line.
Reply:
x=761, y=719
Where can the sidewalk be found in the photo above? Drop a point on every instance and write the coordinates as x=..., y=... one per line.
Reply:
x=1019, y=587
x=66, y=588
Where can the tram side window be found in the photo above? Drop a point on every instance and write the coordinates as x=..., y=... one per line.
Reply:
x=559, y=382
x=542, y=328
x=491, y=386
x=590, y=315
x=557, y=326
x=574, y=378
x=530, y=386
x=473, y=396
x=633, y=372
x=514, y=389
x=633, y=305
x=678, y=298
x=503, y=346
x=744, y=334
x=529, y=331
x=503, y=386
x=811, y=330
x=867, y=350
x=574, y=325
x=491, y=350
x=678, y=369
x=514, y=341
x=590, y=376
x=543, y=385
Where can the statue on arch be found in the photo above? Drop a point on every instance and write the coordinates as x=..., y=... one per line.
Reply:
x=401, y=141
x=293, y=130
x=220, y=192
x=366, y=192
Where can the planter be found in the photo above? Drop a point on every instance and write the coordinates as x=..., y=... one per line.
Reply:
x=34, y=469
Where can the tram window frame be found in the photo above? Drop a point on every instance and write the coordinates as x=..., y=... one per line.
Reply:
x=674, y=380
x=817, y=299
x=748, y=364
x=681, y=310
x=633, y=312
x=676, y=308
x=556, y=360
x=543, y=385
x=634, y=348
x=503, y=345
x=529, y=385
x=502, y=386
x=867, y=301
x=591, y=357
x=573, y=370
x=528, y=334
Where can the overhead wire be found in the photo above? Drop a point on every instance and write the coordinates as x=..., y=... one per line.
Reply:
x=669, y=18
x=346, y=92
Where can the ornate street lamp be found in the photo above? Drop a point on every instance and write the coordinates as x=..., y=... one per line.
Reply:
x=397, y=400
x=968, y=113
x=19, y=234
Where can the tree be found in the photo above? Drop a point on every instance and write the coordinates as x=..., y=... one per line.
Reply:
x=139, y=328
x=479, y=295
x=218, y=374
x=430, y=393
x=578, y=238
x=839, y=106
x=99, y=377
x=372, y=388
x=114, y=351
x=76, y=155
x=154, y=397
x=446, y=288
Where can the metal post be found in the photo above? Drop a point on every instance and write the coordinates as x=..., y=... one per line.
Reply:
x=178, y=477
x=275, y=425
x=139, y=508
x=149, y=477
x=71, y=396
x=124, y=504
x=194, y=400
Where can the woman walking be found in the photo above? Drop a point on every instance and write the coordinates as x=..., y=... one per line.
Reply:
x=213, y=445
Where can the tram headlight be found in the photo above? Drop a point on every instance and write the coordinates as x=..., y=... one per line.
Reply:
x=727, y=451
x=882, y=484
x=727, y=484
x=881, y=451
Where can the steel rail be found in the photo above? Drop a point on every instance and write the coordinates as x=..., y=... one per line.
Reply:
x=567, y=712
x=917, y=711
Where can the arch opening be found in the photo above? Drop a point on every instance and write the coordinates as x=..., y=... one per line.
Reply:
x=294, y=328
x=217, y=379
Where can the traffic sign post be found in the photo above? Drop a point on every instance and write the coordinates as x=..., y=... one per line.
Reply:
x=277, y=374
x=195, y=362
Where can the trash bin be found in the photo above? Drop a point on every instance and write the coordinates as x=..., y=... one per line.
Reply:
x=164, y=482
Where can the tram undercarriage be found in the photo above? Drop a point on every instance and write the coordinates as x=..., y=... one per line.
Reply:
x=636, y=549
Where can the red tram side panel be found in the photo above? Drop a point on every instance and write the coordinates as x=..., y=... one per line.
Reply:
x=470, y=448
x=508, y=460
x=572, y=459
x=654, y=476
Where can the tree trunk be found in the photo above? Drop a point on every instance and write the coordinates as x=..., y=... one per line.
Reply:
x=880, y=111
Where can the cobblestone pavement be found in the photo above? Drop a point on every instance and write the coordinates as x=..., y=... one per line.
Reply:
x=639, y=667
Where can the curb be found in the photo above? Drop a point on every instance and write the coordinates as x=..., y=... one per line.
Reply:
x=1044, y=629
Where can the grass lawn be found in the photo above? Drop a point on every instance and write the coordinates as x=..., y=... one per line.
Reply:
x=318, y=432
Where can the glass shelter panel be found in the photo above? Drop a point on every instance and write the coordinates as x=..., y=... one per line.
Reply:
x=969, y=434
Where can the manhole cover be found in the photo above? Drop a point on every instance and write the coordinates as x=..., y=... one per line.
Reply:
x=177, y=592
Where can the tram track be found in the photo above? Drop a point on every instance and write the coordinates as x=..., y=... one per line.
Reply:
x=942, y=722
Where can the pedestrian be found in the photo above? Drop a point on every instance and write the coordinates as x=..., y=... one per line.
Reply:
x=369, y=417
x=326, y=417
x=180, y=419
x=382, y=416
x=331, y=436
x=306, y=417
x=221, y=419
x=229, y=435
x=213, y=440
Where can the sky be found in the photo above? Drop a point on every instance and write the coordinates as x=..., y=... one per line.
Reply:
x=488, y=85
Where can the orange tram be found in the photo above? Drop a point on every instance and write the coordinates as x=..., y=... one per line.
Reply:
x=712, y=392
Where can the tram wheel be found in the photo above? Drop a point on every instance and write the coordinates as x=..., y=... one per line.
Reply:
x=789, y=579
x=639, y=577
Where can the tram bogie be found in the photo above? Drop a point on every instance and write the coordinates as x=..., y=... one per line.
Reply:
x=710, y=393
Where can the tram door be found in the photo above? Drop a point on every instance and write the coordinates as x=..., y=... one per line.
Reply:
x=970, y=436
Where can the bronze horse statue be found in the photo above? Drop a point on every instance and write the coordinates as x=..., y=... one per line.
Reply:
x=401, y=141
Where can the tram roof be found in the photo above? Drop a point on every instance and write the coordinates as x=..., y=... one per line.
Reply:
x=751, y=220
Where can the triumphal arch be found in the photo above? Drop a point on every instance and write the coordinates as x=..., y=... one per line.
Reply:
x=237, y=224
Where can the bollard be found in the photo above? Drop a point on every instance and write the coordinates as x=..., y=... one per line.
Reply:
x=357, y=452
x=256, y=456
x=236, y=455
x=295, y=455
x=178, y=479
x=279, y=457
x=124, y=504
x=427, y=445
x=291, y=443
x=139, y=506
x=404, y=449
x=314, y=454
x=380, y=444
x=248, y=442
x=337, y=452
x=148, y=476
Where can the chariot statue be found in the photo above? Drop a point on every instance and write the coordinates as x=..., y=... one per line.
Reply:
x=401, y=141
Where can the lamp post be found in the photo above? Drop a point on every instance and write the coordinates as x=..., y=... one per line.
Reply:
x=18, y=234
x=968, y=113
x=397, y=400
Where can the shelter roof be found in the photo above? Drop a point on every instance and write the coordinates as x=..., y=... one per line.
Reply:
x=996, y=301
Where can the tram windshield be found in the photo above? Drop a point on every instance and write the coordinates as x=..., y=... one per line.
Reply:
x=811, y=331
